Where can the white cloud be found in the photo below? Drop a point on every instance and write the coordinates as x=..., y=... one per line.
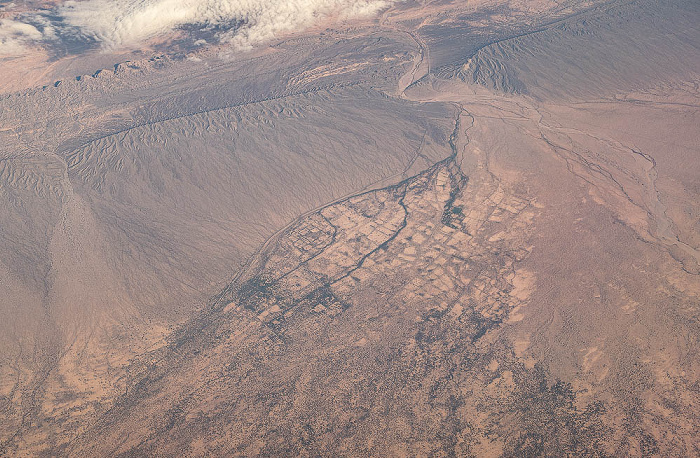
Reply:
x=129, y=22
x=16, y=35
x=118, y=23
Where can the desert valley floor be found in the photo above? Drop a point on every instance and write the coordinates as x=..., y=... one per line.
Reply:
x=465, y=228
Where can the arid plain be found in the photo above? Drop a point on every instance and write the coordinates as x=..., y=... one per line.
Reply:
x=429, y=229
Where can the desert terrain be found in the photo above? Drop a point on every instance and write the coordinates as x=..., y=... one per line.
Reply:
x=350, y=228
